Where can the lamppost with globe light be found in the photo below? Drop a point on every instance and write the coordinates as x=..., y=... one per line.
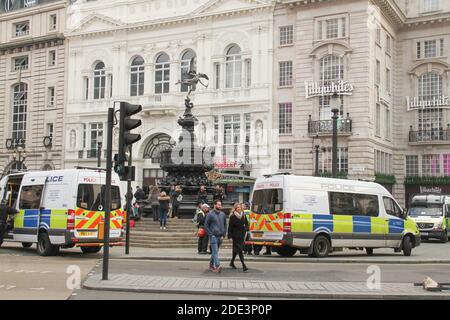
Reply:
x=335, y=103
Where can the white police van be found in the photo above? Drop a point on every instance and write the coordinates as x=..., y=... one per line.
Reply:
x=431, y=212
x=61, y=209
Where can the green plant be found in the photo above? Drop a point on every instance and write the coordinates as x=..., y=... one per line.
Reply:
x=327, y=174
x=385, y=178
x=424, y=180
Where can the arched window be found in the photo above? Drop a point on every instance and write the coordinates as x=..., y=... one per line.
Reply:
x=331, y=69
x=19, y=114
x=99, y=80
x=137, y=77
x=156, y=145
x=233, y=67
x=185, y=66
x=430, y=88
x=162, y=74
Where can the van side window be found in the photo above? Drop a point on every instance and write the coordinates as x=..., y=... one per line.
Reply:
x=353, y=204
x=392, y=208
x=92, y=197
x=30, y=197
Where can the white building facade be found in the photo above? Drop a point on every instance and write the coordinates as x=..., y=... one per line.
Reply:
x=136, y=51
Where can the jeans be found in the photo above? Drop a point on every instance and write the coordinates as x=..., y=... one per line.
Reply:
x=174, y=210
x=215, y=244
x=162, y=217
x=155, y=210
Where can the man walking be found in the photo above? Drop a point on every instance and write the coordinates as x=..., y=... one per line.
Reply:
x=202, y=241
x=216, y=228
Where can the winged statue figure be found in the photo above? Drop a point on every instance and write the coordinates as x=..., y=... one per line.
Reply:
x=193, y=78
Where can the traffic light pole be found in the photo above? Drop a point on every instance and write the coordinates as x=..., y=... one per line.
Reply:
x=108, y=194
x=129, y=208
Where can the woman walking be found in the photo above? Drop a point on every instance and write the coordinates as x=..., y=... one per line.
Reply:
x=154, y=194
x=236, y=231
x=164, y=200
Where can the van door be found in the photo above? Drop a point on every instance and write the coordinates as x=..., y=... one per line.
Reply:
x=28, y=220
x=396, y=224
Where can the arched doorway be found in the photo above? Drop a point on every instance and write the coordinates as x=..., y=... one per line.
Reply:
x=152, y=158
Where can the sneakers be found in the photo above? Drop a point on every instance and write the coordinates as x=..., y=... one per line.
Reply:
x=165, y=228
x=160, y=228
x=217, y=270
x=232, y=265
x=244, y=268
x=267, y=254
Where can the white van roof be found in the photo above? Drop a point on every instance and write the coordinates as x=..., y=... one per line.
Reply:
x=320, y=184
x=81, y=173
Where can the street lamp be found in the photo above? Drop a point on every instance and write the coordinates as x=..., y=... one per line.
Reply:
x=99, y=150
x=19, y=156
x=335, y=106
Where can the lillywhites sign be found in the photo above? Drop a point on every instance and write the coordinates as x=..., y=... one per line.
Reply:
x=437, y=190
x=437, y=102
x=315, y=89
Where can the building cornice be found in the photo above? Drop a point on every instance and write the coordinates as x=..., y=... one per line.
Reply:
x=33, y=43
x=389, y=8
x=164, y=22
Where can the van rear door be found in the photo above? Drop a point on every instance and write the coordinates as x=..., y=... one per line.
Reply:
x=266, y=218
x=90, y=207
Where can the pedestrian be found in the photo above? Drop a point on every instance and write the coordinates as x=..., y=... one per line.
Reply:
x=135, y=213
x=139, y=195
x=176, y=197
x=248, y=248
x=198, y=210
x=5, y=213
x=203, y=195
x=216, y=226
x=202, y=236
x=154, y=194
x=237, y=228
x=218, y=193
x=164, y=200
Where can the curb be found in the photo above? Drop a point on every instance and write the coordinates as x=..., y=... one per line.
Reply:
x=288, y=260
x=286, y=295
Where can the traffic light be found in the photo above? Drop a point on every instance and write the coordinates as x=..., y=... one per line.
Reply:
x=126, y=138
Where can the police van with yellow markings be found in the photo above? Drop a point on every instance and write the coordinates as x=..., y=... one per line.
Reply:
x=431, y=212
x=61, y=209
x=319, y=215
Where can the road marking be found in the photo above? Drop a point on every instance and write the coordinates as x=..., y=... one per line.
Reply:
x=242, y=298
x=39, y=289
x=10, y=287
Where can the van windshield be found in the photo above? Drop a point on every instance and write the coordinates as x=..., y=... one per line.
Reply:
x=425, y=211
x=92, y=197
x=267, y=201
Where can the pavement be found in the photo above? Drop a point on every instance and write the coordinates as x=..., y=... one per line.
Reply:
x=268, y=280
x=428, y=252
x=181, y=272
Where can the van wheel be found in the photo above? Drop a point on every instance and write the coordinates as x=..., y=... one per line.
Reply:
x=321, y=247
x=91, y=249
x=444, y=237
x=45, y=247
x=286, y=251
x=369, y=251
x=26, y=244
x=407, y=246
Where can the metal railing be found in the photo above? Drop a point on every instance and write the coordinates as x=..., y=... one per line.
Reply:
x=429, y=135
x=344, y=126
